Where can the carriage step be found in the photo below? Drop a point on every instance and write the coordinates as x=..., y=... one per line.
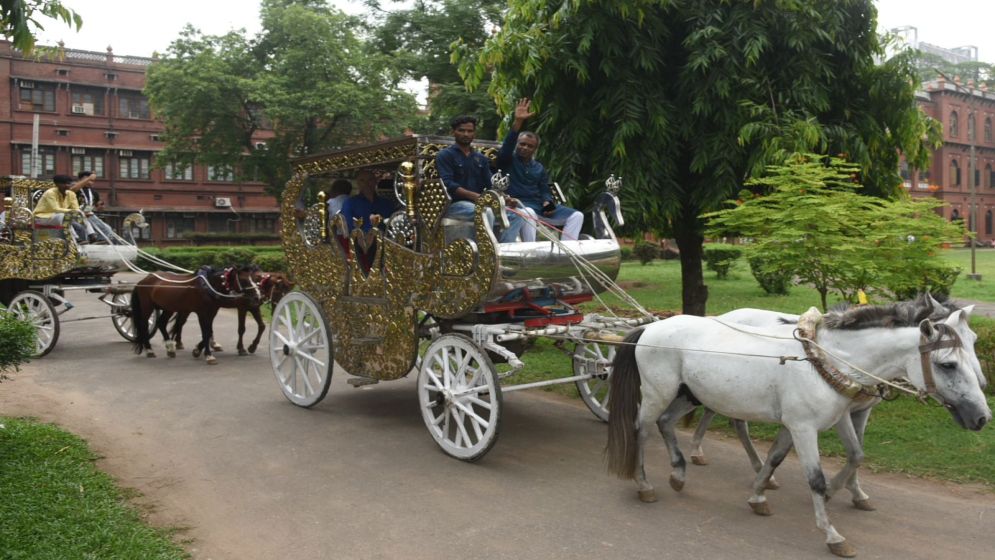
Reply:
x=358, y=382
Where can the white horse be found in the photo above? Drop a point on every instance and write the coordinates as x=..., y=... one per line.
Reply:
x=680, y=362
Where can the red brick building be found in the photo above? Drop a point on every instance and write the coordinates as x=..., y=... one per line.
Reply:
x=967, y=115
x=93, y=116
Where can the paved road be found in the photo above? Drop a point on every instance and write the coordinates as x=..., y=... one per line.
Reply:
x=219, y=450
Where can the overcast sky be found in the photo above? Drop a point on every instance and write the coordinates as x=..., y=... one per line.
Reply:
x=139, y=27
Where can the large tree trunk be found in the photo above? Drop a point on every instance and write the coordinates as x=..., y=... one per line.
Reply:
x=694, y=291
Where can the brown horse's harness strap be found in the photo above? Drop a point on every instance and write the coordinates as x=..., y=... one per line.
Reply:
x=925, y=347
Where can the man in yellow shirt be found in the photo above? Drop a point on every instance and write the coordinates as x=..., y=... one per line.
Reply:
x=53, y=205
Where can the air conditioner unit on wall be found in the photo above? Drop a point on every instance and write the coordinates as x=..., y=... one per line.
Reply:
x=222, y=202
x=260, y=145
x=26, y=84
x=78, y=109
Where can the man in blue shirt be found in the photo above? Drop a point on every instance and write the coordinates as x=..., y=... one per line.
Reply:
x=466, y=173
x=528, y=180
x=366, y=204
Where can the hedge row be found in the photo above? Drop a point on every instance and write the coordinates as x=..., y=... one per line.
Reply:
x=268, y=258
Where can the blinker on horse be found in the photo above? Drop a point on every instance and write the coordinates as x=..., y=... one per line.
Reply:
x=202, y=293
x=676, y=363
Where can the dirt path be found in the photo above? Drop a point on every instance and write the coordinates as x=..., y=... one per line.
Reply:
x=219, y=450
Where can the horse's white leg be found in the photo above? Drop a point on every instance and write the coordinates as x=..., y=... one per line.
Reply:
x=648, y=415
x=807, y=446
x=697, y=454
x=743, y=432
x=666, y=423
x=170, y=348
x=778, y=451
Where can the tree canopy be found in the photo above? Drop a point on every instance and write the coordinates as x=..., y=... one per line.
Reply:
x=309, y=76
x=686, y=100
x=19, y=20
x=420, y=39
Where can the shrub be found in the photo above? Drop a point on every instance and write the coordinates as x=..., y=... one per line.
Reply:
x=272, y=262
x=773, y=279
x=626, y=253
x=18, y=341
x=917, y=276
x=984, y=347
x=719, y=257
x=233, y=256
x=645, y=252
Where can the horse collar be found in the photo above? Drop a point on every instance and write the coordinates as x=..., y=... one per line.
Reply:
x=808, y=324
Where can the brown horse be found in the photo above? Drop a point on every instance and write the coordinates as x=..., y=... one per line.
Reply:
x=273, y=285
x=202, y=293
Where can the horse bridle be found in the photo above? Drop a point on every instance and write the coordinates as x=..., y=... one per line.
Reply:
x=926, y=347
x=231, y=283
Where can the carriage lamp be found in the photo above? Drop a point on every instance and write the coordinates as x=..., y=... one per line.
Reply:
x=323, y=212
x=8, y=203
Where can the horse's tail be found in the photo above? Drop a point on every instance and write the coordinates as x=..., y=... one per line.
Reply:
x=621, y=453
x=140, y=324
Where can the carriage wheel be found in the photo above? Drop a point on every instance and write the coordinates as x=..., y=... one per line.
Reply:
x=594, y=359
x=301, y=349
x=459, y=396
x=121, y=309
x=33, y=307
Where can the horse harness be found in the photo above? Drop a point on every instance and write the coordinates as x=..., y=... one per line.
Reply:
x=925, y=347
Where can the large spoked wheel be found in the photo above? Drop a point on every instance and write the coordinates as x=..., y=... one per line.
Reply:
x=301, y=349
x=460, y=397
x=121, y=310
x=34, y=307
x=594, y=359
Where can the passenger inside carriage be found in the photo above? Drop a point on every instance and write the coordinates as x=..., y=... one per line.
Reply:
x=55, y=203
x=367, y=208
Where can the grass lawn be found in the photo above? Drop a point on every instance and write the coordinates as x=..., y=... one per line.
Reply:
x=902, y=436
x=54, y=504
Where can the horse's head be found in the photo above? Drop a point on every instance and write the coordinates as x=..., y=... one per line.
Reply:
x=950, y=371
x=243, y=281
x=274, y=285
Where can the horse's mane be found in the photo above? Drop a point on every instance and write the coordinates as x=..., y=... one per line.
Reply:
x=901, y=314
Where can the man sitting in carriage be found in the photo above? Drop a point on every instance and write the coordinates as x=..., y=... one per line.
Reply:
x=466, y=173
x=55, y=202
x=529, y=181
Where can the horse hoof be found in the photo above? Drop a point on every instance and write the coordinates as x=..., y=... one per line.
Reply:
x=772, y=484
x=842, y=548
x=676, y=483
x=216, y=348
x=252, y=349
x=760, y=508
x=212, y=361
x=864, y=505
x=150, y=354
x=196, y=353
x=243, y=353
x=699, y=460
x=170, y=354
x=179, y=346
x=647, y=496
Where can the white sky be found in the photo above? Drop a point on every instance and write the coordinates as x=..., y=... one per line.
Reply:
x=139, y=27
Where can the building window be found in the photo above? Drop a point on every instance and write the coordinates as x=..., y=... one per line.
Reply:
x=37, y=97
x=222, y=223
x=178, y=172
x=88, y=101
x=134, y=165
x=954, y=173
x=89, y=160
x=133, y=107
x=44, y=165
x=970, y=127
x=954, y=126
x=903, y=170
x=988, y=129
x=220, y=173
x=176, y=227
x=988, y=222
x=264, y=225
x=988, y=174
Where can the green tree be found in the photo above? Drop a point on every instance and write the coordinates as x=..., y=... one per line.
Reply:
x=18, y=342
x=19, y=20
x=308, y=75
x=686, y=100
x=420, y=39
x=810, y=219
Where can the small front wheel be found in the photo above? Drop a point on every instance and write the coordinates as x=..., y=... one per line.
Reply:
x=459, y=397
x=121, y=316
x=594, y=359
x=33, y=307
x=301, y=349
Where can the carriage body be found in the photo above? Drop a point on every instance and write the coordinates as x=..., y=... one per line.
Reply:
x=422, y=264
x=39, y=265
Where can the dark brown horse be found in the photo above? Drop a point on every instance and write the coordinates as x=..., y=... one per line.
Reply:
x=272, y=285
x=202, y=293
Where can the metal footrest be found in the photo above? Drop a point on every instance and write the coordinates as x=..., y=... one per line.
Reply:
x=361, y=381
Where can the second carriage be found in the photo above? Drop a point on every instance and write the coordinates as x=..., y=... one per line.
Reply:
x=435, y=296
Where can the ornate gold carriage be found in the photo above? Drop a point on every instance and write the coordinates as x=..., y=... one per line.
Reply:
x=40, y=264
x=422, y=294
